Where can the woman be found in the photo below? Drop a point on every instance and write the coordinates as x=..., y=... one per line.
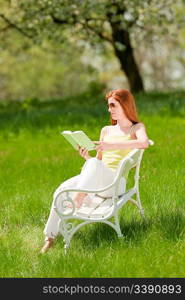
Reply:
x=116, y=141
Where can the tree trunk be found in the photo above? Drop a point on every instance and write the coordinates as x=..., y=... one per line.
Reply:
x=126, y=57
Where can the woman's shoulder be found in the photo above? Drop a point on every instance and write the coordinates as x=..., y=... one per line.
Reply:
x=107, y=128
x=139, y=125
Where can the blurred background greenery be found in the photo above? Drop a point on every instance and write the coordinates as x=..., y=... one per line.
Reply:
x=57, y=60
x=56, y=49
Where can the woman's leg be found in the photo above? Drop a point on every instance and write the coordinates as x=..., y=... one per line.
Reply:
x=96, y=175
x=88, y=179
x=90, y=174
x=52, y=226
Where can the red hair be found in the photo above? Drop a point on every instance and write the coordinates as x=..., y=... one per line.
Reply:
x=127, y=101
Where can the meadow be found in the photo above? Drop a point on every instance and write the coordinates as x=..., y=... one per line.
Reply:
x=35, y=159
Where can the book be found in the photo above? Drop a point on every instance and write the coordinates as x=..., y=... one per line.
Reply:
x=76, y=138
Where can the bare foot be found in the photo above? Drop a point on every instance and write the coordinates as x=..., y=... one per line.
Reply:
x=79, y=198
x=48, y=244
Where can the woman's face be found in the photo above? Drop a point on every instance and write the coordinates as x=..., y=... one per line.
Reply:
x=115, y=109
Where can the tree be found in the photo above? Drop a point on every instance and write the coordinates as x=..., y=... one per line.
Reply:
x=97, y=21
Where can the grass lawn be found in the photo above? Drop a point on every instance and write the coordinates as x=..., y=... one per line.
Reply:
x=35, y=159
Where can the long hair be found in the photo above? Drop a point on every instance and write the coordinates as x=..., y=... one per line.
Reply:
x=127, y=101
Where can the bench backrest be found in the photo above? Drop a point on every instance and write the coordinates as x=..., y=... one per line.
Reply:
x=133, y=159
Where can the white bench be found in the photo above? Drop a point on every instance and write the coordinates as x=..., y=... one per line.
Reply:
x=101, y=209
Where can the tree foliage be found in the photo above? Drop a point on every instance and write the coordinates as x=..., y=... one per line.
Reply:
x=117, y=22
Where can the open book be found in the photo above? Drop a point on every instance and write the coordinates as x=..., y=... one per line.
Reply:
x=76, y=138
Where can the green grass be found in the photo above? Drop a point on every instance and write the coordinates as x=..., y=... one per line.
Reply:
x=35, y=159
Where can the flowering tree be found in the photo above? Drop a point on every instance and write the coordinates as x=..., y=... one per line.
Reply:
x=99, y=22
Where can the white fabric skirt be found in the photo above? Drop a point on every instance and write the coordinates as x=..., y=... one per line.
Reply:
x=94, y=175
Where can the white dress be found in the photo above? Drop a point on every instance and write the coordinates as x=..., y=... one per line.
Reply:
x=94, y=175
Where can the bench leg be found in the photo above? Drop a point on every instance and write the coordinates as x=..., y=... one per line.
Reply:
x=65, y=230
x=117, y=226
x=141, y=210
x=66, y=246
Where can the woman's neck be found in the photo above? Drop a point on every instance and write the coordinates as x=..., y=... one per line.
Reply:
x=124, y=124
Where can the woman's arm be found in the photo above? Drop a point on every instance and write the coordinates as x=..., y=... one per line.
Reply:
x=141, y=141
x=102, y=134
x=84, y=152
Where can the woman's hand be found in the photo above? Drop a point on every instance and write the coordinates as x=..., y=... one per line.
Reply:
x=84, y=153
x=102, y=146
